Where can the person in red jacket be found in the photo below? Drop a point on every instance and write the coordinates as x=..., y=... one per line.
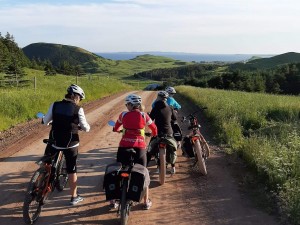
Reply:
x=134, y=122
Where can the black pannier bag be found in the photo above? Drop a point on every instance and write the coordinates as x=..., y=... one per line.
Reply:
x=112, y=181
x=187, y=146
x=139, y=181
x=177, y=133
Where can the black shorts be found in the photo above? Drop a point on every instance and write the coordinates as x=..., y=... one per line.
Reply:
x=70, y=156
x=140, y=156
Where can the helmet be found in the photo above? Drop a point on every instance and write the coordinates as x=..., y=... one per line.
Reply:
x=170, y=90
x=163, y=94
x=133, y=99
x=75, y=89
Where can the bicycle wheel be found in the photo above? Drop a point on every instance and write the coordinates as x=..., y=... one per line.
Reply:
x=162, y=165
x=62, y=176
x=200, y=159
x=205, y=147
x=124, y=204
x=34, y=199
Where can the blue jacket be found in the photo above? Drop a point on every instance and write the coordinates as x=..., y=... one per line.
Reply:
x=171, y=102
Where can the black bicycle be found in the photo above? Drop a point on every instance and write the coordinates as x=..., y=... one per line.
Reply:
x=125, y=183
x=51, y=175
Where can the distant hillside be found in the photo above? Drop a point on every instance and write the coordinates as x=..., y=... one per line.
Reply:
x=268, y=63
x=58, y=54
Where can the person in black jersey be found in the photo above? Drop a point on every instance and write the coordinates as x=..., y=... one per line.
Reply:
x=163, y=114
x=67, y=117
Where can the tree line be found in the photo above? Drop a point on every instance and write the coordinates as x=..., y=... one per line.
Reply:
x=12, y=62
x=284, y=79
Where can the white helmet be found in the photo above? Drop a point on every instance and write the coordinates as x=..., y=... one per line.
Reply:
x=163, y=94
x=133, y=99
x=170, y=90
x=75, y=89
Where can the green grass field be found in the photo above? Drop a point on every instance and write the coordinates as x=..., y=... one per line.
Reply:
x=21, y=104
x=265, y=130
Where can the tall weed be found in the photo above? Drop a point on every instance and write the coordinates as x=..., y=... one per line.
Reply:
x=265, y=130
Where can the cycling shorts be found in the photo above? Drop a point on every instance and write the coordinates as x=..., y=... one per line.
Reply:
x=140, y=156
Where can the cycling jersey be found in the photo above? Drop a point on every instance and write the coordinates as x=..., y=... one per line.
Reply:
x=171, y=102
x=134, y=123
x=66, y=116
x=163, y=114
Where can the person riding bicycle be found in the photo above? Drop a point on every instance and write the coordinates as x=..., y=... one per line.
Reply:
x=176, y=106
x=163, y=114
x=67, y=118
x=134, y=122
x=171, y=100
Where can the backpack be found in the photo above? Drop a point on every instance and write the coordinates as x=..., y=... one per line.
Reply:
x=187, y=147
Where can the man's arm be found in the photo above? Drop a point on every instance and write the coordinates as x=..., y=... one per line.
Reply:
x=82, y=121
x=48, y=117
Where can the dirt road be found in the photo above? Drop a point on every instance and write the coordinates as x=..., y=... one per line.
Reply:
x=185, y=198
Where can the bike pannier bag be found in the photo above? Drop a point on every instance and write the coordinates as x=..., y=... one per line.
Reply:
x=111, y=183
x=187, y=147
x=139, y=181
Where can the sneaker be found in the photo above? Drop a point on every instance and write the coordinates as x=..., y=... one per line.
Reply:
x=113, y=204
x=147, y=205
x=76, y=200
x=173, y=170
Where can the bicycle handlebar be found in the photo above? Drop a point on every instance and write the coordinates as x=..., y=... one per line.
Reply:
x=192, y=115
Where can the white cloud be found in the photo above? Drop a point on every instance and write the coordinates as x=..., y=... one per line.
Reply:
x=170, y=25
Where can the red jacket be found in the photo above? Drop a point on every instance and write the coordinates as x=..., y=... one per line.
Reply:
x=134, y=123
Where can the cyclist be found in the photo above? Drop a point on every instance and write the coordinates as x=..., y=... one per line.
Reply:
x=66, y=117
x=170, y=100
x=173, y=103
x=134, y=122
x=163, y=114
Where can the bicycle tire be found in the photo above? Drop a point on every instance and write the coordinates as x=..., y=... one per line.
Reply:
x=124, y=204
x=62, y=176
x=205, y=147
x=34, y=199
x=200, y=159
x=162, y=166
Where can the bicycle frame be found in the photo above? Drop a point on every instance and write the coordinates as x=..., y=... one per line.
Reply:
x=125, y=204
x=51, y=169
x=44, y=181
x=201, y=149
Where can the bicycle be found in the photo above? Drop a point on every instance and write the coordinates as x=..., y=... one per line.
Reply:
x=198, y=147
x=50, y=176
x=162, y=155
x=118, y=183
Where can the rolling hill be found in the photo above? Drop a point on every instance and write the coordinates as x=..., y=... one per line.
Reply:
x=268, y=63
x=92, y=63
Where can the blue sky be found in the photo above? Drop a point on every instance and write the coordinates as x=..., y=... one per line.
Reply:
x=193, y=26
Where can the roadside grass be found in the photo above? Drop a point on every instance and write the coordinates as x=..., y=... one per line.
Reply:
x=265, y=131
x=18, y=105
